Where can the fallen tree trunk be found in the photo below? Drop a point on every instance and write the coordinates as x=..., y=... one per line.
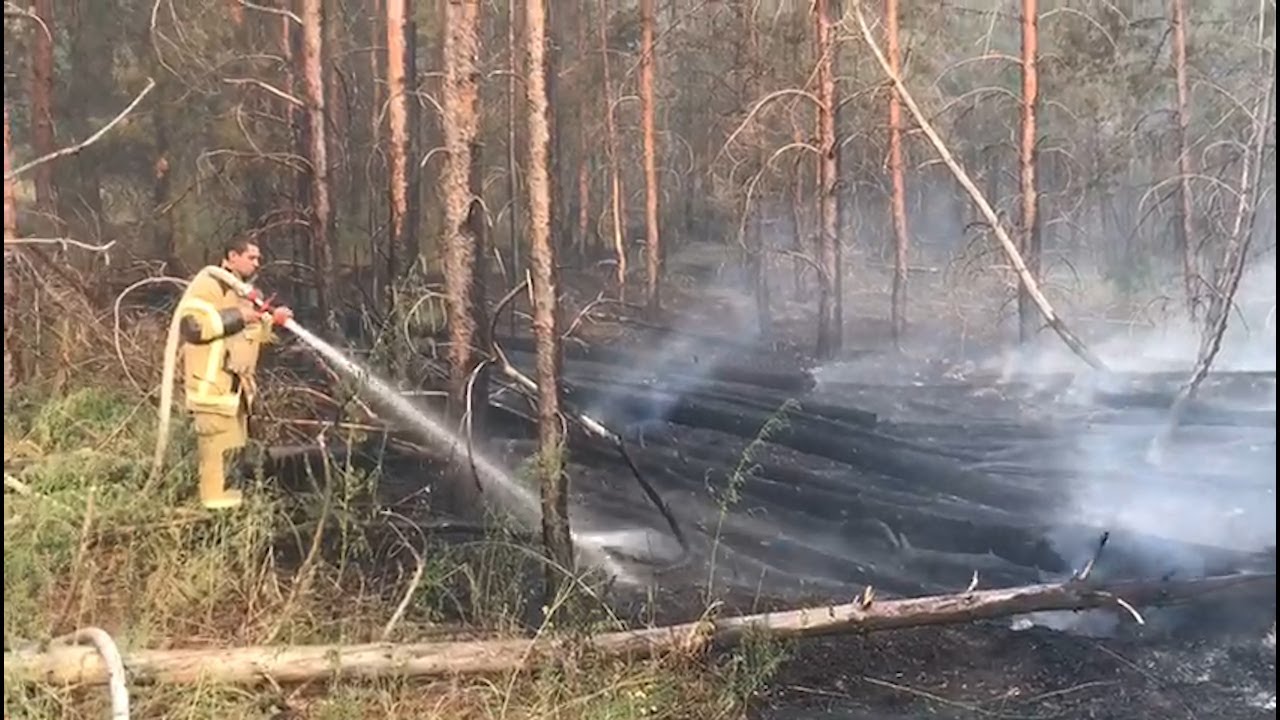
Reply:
x=291, y=664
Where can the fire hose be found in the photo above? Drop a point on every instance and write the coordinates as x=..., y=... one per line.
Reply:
x=241, y=288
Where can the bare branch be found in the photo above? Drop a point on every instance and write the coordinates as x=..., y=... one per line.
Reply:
x=265, y=86
x=282, y=12
x=12, y=10
x=64, y=242
x=151, y=83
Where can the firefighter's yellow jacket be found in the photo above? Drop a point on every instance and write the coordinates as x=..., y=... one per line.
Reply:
x=220, y=352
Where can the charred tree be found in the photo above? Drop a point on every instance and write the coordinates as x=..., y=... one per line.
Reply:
x=898, y=198
x=1182, y=113
x=313, y=55
x=400, y=231
x=1027, y=151
x=653, y=249
x=830, y=323
x=555, y=491
x=464, y=249
x=611, y=144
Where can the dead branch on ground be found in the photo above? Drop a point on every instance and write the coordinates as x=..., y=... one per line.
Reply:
x=289, y=664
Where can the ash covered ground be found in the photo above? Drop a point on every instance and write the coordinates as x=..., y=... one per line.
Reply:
x=910, y=471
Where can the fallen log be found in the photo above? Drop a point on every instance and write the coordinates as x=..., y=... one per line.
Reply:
x=292, y=664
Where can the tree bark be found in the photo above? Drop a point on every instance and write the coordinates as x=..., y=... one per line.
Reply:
x=75, y=665
x=12, y=370
x=465, y=240
x=898, y=199
x=653, y=248
x=1182, y=114
x=398, y=124
x=615, y=179
x=313, y=55
x=42, y=140
x=513, y=181
x=830, y=323
x=1027, y=152
x=551, y=446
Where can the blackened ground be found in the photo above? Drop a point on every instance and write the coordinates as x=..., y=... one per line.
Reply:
x=910, y=475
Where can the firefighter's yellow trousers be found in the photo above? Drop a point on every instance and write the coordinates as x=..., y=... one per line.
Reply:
x=218, y=438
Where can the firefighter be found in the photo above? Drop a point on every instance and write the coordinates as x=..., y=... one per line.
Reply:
x=222, y=334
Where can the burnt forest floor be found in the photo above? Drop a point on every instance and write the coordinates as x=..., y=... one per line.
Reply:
x=1000, y=449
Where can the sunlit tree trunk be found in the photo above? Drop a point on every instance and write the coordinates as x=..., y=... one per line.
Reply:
x=898, y=198
x=1028, y=315
x=1183, y=225
x=653, y=248
x=398, y=124
x=318, y=154
x=464, y=250
x=585, y=139
x=555, y=491
x=829, y=320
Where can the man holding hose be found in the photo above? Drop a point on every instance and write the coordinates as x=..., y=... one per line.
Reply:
x=222, y=334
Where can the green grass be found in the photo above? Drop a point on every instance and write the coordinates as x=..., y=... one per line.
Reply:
x=86, y=546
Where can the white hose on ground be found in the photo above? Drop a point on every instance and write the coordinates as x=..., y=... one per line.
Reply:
x=106, y=647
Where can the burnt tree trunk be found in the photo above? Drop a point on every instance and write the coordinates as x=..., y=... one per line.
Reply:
x=653, y=248
x=555, y=491
x=313, y=54
x=829, y=320
x=898, y=199
x=1030, y=225
x=464, y=249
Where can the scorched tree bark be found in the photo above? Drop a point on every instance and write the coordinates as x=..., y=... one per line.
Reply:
x=555, y=496
x=464, y=250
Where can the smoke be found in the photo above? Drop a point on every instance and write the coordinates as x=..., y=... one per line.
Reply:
x=685, y=358
x=1215, y=488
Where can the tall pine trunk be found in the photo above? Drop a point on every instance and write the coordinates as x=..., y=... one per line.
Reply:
x=42, y=106
x=829, y=320
x=611, y=143
x=1028, y=315
x=653, y=248
x=464, y=249
x=1182, y=113
x=898, y=199
x=313, y=55
x=555, y=491
x=399, y=229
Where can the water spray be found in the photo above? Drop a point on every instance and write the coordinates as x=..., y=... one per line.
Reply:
x=515, y=495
